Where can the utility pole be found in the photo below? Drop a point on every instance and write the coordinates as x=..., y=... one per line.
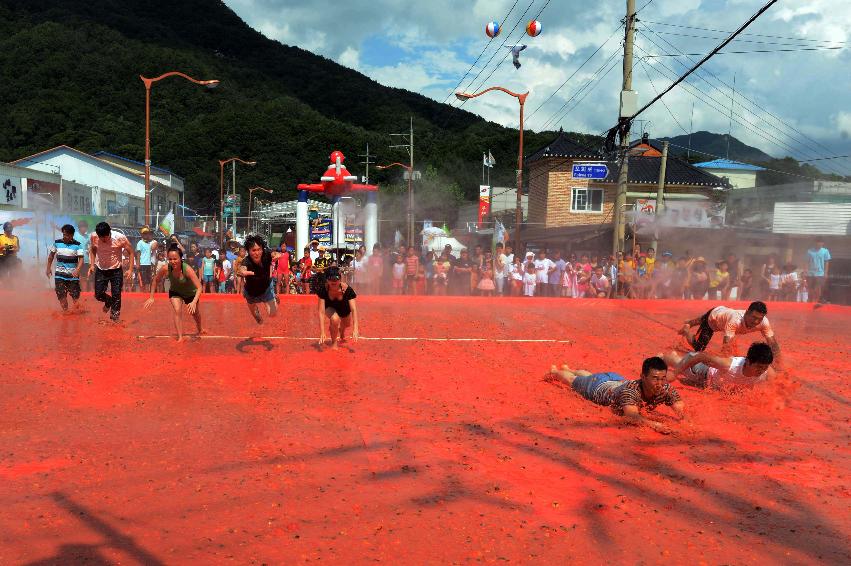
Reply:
x=233, y=186
x=367, y=162
x=627, y=110
x=660, y=196
x=409, y=137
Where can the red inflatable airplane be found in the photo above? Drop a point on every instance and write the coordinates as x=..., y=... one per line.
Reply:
x=337, y=180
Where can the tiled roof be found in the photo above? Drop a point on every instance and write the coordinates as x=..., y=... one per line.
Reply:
x=645, y=170
x=563, y=146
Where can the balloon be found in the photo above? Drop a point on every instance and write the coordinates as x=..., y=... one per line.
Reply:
x=492, y=29
x=533, y=28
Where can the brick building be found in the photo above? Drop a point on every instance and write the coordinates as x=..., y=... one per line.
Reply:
x=562, y=207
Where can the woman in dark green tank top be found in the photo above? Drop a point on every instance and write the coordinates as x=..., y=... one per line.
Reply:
x=184, y=289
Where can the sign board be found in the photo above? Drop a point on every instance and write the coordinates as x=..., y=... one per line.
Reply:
x=484, y=203
x=231, y=200
x=590, y=171
x=231, y=209
x=320, y=230
x=677, y=214
x=10, y=191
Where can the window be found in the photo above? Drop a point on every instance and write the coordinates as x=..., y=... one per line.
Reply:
x=586, y=200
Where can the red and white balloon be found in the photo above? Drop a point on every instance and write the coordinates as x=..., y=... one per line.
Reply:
x=533, y=28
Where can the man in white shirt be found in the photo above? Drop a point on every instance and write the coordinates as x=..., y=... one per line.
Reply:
x=706, y=371
x=500, y=261
x=732, y=323
x=106, y=254
x=543, y=267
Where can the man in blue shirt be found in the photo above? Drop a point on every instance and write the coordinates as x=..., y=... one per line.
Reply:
x=69, y=261
x=818, y=269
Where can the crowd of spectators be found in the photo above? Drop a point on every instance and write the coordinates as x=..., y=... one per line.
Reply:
x=638, y=274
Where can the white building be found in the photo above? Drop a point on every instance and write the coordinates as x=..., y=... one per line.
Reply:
x=114, y=185
x=740, y=175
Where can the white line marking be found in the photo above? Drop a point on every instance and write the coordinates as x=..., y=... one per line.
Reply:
x=388, y=338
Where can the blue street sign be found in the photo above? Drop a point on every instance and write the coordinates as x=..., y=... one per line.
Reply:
x=590, y=171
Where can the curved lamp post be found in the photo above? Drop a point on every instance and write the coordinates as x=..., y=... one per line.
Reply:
x=251, y=194
x=518, y=213
x=149, y=82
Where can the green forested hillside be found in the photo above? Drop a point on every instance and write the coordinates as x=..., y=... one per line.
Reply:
x=70, y=76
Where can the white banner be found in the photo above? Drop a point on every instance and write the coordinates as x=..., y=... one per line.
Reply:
x=678, y=214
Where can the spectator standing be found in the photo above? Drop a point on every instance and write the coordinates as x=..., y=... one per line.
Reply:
x=818, y=270
x=442, y=266
x=462, y=274
x=555, y=276
x=10, y=245
x=516, y=277
x=765, y=275
x=599, y=287
x=207, y=271
x=543, y=267
x=719, y=281
x=375, y=270
x=698, y=279
x=486, y=285
x=530, y=280
x=499, y=268
x=412, y=268
x=398, y=270
x=428, y=272
x=745, y=288
x=736, y=271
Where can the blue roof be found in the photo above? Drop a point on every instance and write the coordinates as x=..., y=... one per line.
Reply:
x=128, y=160
x=728, y=164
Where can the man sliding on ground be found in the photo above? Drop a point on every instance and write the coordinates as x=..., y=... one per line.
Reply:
x=731, y=322
x=626, y=397
x=706, y=371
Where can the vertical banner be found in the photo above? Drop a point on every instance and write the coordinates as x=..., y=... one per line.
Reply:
x=484, y=203
x=320, y=230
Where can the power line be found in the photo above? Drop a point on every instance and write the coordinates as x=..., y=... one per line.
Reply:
x=674, y=118
x=508, y=35
x=748, y=34
x=751, y=51
x=738, y=40
x=488, y=44
x=566, y=102
x=756, y=107
x=599, y=80
x=504, y=57
x=645, y=5
x=616, y=30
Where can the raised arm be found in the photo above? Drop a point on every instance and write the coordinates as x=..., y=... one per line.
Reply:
x=702, y=358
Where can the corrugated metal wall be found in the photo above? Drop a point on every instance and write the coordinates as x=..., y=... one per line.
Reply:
x=823, y=218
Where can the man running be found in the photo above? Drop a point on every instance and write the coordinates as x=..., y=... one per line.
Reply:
x=627, y=397
x=107, y=247
x=256, y=269
x=69, y=261
x=732, y=323
x=706, y=371
x=146, y=256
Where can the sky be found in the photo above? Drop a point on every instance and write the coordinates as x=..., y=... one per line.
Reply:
x=794, y=102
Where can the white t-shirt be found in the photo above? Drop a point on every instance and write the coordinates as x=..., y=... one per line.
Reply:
x=542, y=267
x=399, y=270
x=733, y=376
x=501, y=272
x=109, y=253
x=731, y=322
x=227, y=267
x=529, y=281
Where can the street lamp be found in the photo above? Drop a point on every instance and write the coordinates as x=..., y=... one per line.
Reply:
x=410, y=215
x=518, y=213
x=148, y=84
x=222, y=163
x=251, y=194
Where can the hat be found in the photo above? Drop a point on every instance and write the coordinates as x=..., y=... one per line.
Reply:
x=700, y=260
x=667, y=254
x=145, y=230
x=530, y=254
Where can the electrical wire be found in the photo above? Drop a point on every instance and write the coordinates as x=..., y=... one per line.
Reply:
x=756, y=107
x=488, y=44
x=596, y=82
x=649, y=78
x=751, y=51
x=747, y=34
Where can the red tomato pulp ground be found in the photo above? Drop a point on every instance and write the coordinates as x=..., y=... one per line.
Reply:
x=120, y=449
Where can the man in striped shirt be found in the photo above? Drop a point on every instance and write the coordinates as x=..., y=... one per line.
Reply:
x=627, y=396
x=69, y=261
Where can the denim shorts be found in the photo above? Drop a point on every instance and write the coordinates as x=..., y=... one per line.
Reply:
x=267, y=297
x=586, y=385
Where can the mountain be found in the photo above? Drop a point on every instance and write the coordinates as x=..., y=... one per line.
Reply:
x=69, y=74
x=716, y=144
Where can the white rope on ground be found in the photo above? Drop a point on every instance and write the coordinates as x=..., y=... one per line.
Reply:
x=388, y=338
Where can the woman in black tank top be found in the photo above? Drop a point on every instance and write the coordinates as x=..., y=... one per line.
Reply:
x=337, y=304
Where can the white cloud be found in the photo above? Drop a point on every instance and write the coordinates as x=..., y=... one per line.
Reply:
x=350, y=58
x=843, y=123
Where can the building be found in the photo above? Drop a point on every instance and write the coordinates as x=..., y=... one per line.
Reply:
x=566, y=209
x=28, y=188
x=739, y=175
x=106, y=185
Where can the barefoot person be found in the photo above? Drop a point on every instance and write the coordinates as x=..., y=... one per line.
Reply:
x=732, y=323
x=69, y=261
x=256, y=270
x=337, y=304
x=706, y=371
x=184, y=289
x=106, y=251
x=627, y=397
